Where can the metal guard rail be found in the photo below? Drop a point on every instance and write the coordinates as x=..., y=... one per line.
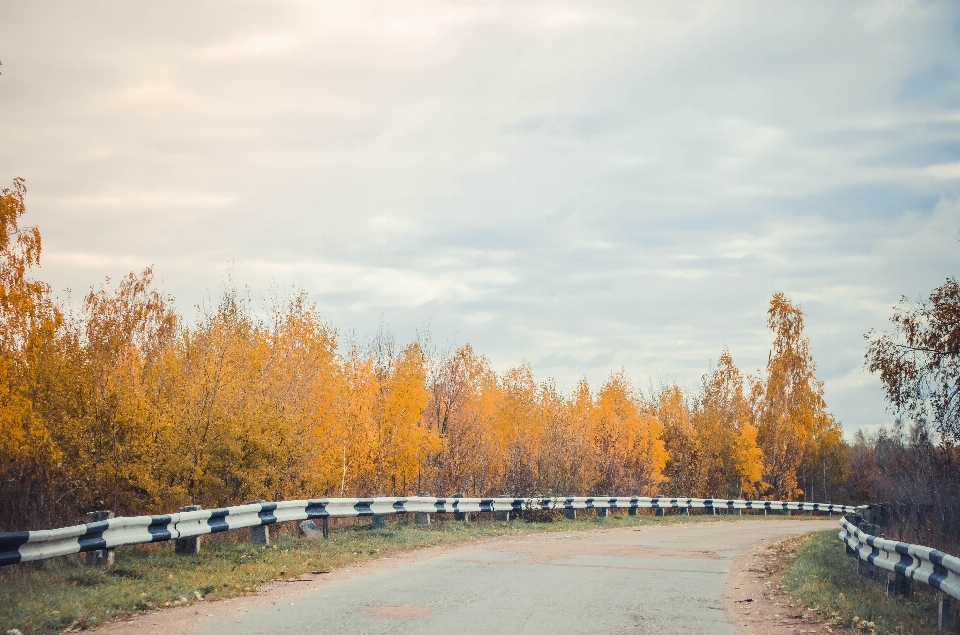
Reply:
x=923, y=564
x=24, y=546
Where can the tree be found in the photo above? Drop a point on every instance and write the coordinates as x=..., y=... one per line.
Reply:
x=728, y=438
x=919, y=363
x=686, y=469
x=29, y=325
x=789, y=404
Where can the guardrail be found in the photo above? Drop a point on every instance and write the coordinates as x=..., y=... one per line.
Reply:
x=904, y=562
x=104, y=535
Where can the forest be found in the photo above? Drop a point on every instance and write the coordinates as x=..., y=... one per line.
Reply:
x=123, y=404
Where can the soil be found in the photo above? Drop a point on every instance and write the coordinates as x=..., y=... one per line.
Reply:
x=754, y=600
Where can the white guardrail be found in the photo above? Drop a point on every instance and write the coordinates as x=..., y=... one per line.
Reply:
x=923, y=564
x=24, y=546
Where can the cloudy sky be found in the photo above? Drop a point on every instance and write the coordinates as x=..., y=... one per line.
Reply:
x=582, y=185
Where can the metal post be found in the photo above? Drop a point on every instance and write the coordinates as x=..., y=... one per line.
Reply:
x=461, y=516
x=502, y=516
x=601, y=512
x=188, y=546
x=422, y=518
x=378, y=521
x=943, y=613
x=898, y=584
x=686, y=511
x=659, y=511
x=570, y=514
x=259, y=534
x=632, y=511
x=100, y=557
x=326, y=527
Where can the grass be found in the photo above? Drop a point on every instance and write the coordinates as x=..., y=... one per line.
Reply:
x=50, y=596
x=819, y=575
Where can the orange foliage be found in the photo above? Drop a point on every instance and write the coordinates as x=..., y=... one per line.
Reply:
x=127, y=406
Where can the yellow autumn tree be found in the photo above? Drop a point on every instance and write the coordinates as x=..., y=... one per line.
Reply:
x=730, y=455
x=463, y=390
x=627, y=439
x=789, y=401
x=403, y=437
x=29, y=324
x=686, y=469
x=125, y=334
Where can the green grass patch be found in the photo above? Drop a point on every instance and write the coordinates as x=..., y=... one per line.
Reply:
x=49, y=596
x=820, y=576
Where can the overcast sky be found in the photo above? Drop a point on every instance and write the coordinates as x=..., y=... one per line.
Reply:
x=582, y=185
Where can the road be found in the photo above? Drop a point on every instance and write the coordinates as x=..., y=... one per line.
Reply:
x=653, y=579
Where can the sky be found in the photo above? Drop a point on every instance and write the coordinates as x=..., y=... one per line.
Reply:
x=581, y=186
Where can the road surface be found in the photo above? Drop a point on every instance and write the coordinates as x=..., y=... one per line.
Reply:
x=654, y=579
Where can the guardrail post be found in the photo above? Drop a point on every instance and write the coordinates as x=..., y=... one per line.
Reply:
x=191, y=545
x=686, y=511
x=713, y=510
x=632, y=511
x=570, y=514
x=326, y=527
x=259, y=534
x=463, y=517
x=898, y=584
x=943, y=613
x=100, y=557
x=601, y=512
x=659, y=511
x=866, y=569
x=378, y=521
x=501, y=516
x=421, y=518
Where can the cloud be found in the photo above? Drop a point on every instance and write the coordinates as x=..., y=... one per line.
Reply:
x=583, y=185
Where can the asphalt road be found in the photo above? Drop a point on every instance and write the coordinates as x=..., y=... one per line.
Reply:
x=655, y=579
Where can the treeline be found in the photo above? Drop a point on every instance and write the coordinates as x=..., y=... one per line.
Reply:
x=122, y=404
x=913, y=467
x=917, y=479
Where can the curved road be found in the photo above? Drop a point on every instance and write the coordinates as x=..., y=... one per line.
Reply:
x=660, y=579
